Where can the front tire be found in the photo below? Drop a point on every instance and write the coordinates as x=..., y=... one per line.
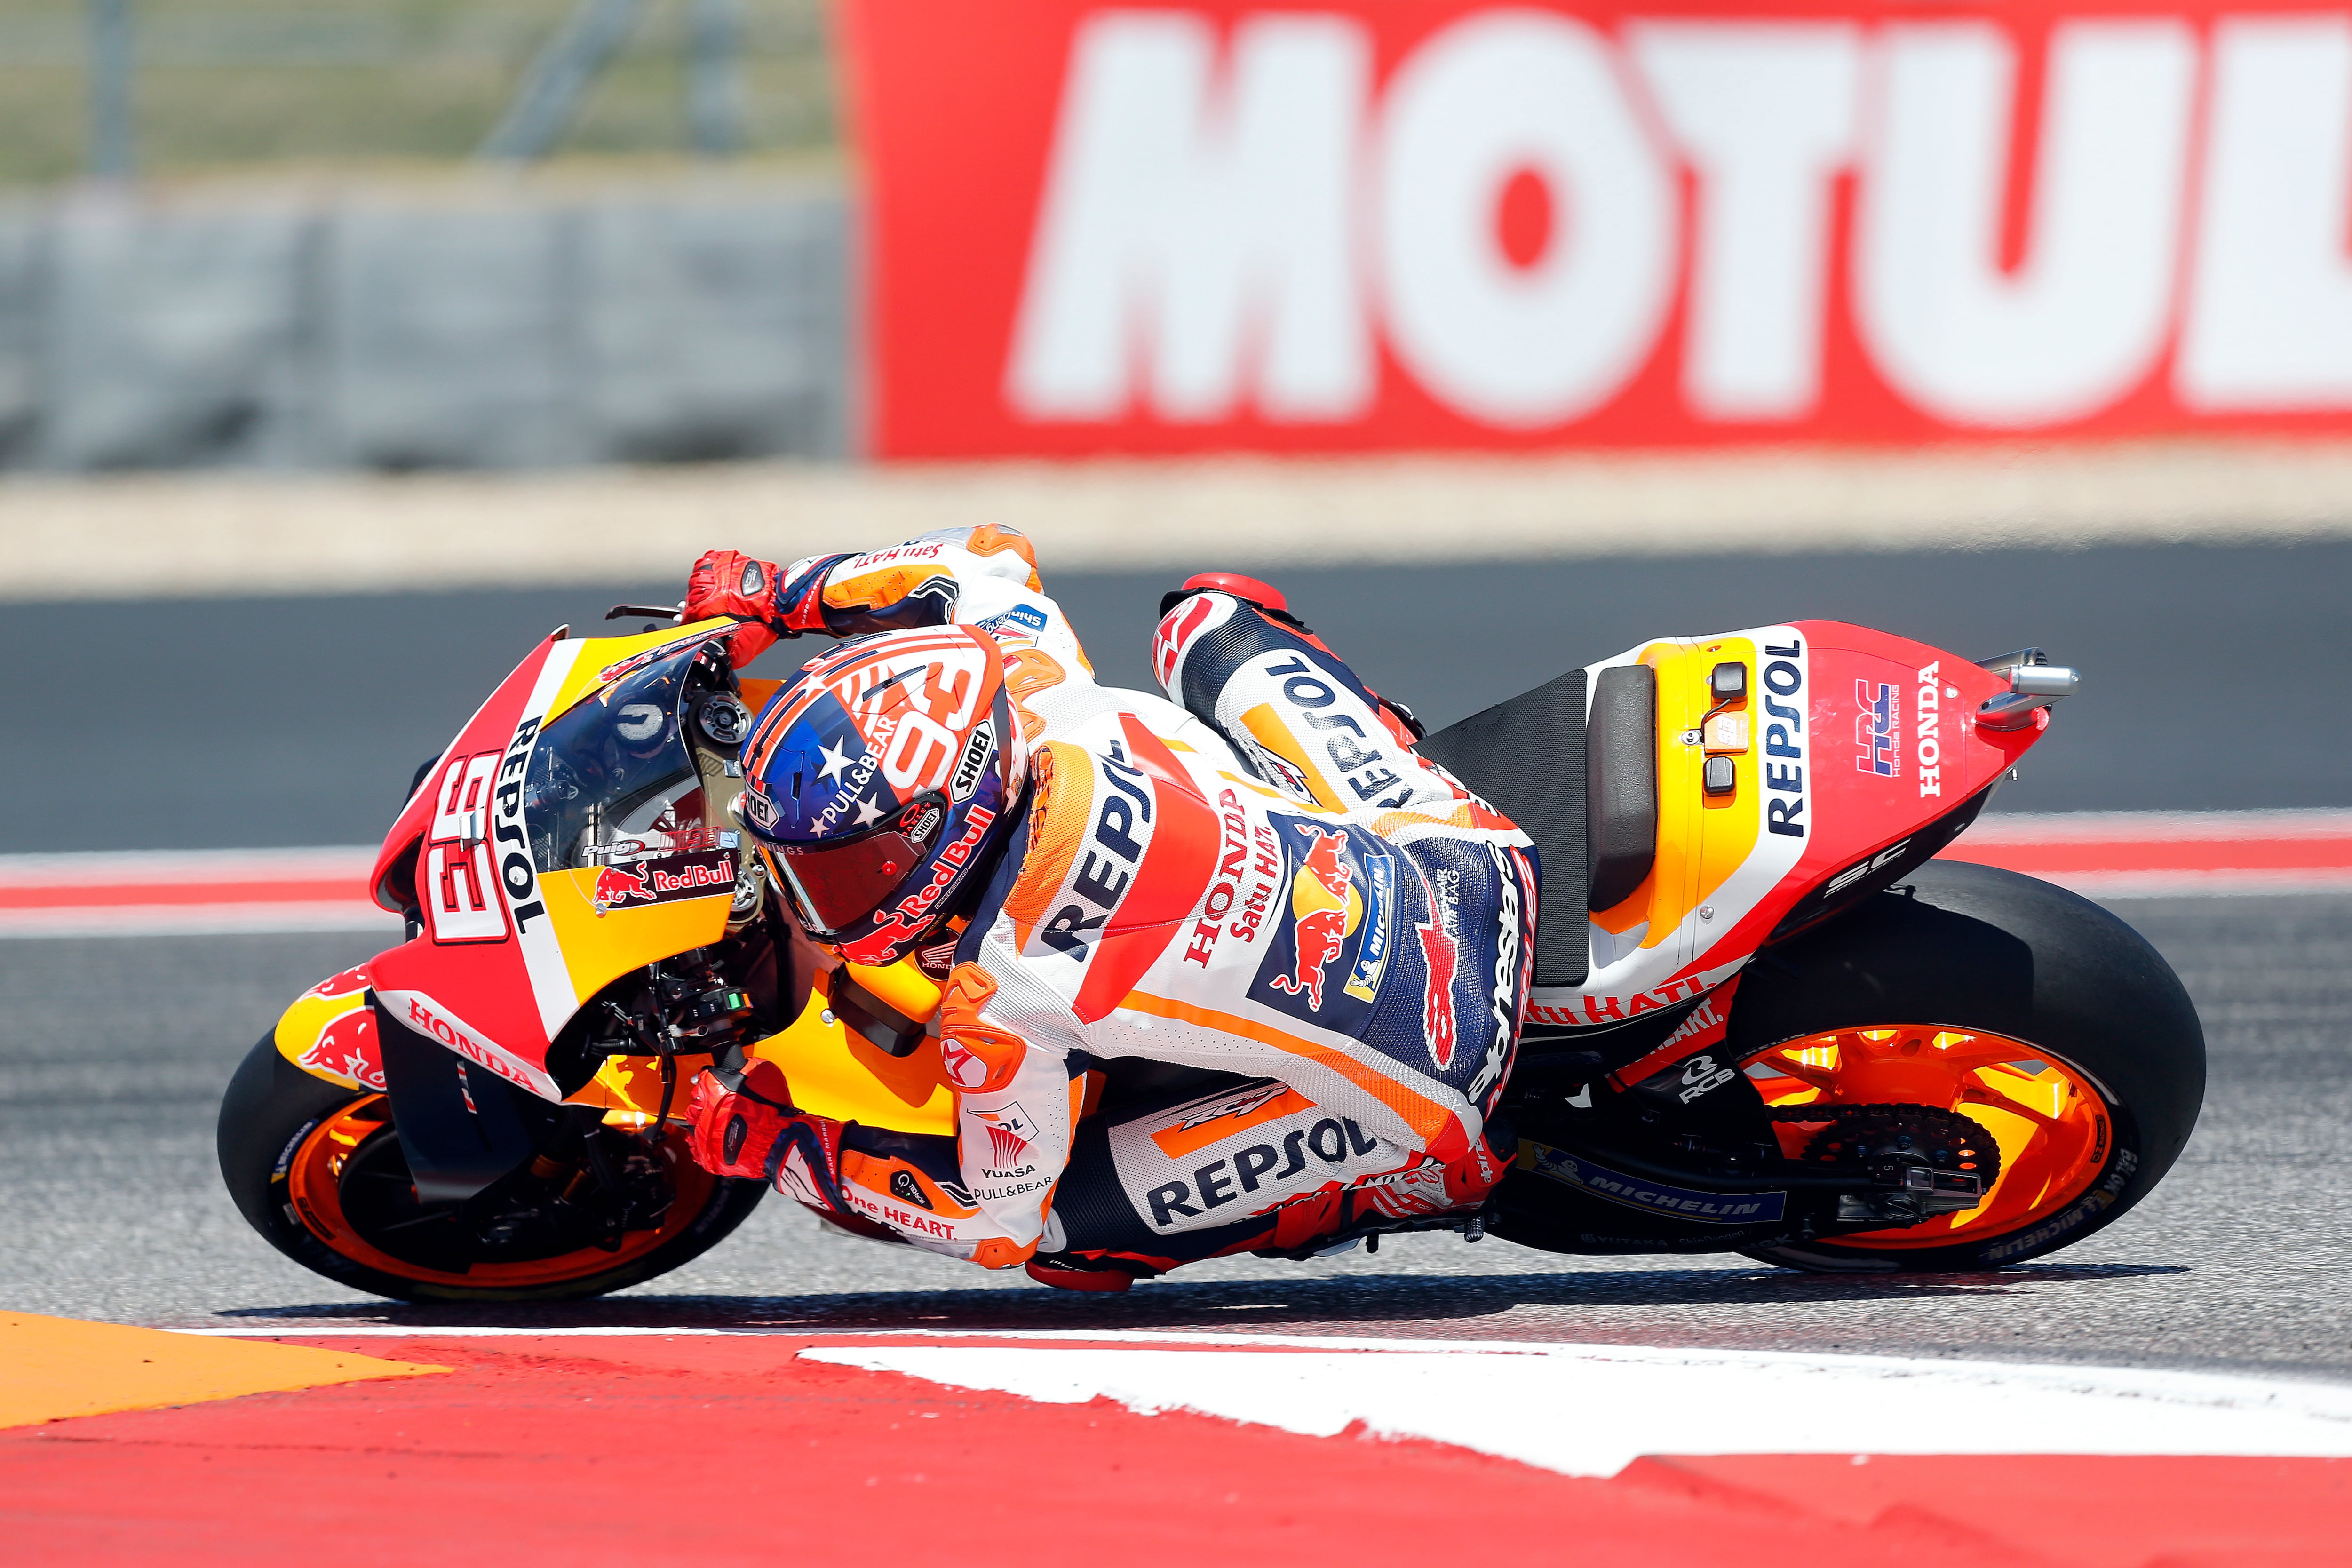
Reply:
x=1963, y=952
x=289, y=1143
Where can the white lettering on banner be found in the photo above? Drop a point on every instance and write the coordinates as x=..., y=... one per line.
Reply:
x=1767, y=115
x=1237, y=216
x=1212, y=225
x=2084, y=317
x=1516, y=347
x=2270, y=307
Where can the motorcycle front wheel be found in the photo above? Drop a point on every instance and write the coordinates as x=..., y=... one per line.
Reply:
x=2036, y=1014
x=318, y=1170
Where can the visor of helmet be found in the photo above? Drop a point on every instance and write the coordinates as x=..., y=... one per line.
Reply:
x=836, y=883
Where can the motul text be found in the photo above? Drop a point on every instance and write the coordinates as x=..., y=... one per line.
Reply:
x=1423, y=222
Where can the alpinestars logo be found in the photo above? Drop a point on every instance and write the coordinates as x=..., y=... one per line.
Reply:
x=1440, y=948
x=1505, y=1001
x=1168, y=646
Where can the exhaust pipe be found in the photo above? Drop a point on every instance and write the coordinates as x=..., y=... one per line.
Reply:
x=2033, y=683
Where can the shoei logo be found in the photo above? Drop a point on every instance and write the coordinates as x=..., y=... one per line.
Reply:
x=974, y=762
x=758, y=810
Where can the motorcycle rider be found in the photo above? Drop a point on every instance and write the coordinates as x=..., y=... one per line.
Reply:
x=1259, y=878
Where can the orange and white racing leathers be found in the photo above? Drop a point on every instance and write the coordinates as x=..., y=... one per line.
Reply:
x=1258, y=878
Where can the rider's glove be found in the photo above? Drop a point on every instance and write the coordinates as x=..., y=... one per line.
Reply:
x=774, y=602
x=737, y=1119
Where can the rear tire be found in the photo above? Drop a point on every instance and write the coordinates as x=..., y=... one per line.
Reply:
x=272, y=1110
x=1969, y=947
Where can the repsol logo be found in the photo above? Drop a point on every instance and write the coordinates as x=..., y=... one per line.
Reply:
x=1334, y=1140
x=1784, y=739
x=517, y=876
x=1354, y=753
x=1108, y=866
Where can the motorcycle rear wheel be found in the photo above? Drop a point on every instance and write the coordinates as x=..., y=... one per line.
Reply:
x=315, y=1167
x=2039, y=1014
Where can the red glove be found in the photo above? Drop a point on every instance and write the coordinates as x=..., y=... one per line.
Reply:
x=772, y=601
x=737, y=1119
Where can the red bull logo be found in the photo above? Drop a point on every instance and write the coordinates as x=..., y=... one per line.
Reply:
x=617, y=885
x=347, y=1048
x=1325, y=908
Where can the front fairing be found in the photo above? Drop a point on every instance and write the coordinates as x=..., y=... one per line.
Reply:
x=575, y=830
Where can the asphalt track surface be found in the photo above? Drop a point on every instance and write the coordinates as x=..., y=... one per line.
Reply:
x=114, y=1053
x=2213, y=675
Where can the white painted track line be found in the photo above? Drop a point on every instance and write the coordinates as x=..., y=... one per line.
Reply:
x=1591, y=1410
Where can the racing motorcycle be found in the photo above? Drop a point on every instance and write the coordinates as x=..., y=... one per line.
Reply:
x=1764, y=1019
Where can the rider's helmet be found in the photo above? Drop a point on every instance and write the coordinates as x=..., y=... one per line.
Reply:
x=879, y=784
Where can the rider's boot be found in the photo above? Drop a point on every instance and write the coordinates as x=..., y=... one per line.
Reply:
x=1076, y=1271
x=1177, y=625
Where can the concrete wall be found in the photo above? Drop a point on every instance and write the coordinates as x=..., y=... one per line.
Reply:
x=406, y=336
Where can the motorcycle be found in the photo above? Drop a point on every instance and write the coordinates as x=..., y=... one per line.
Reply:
x=1764, y=1019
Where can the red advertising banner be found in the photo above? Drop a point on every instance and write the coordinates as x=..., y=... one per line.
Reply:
x=1390, y=224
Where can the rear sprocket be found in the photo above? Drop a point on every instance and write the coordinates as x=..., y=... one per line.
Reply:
x=1931, y=1156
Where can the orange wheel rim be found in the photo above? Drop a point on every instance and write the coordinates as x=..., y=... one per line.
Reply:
x=314, y=1186
x=2048, y=1118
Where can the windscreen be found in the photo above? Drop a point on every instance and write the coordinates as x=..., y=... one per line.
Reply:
x=612, y=778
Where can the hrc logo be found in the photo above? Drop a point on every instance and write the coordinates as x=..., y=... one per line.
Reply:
x=1875, y=732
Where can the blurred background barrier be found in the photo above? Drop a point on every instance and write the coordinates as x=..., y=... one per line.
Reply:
x=179, y=89
x=304, y=236
x=398, y=335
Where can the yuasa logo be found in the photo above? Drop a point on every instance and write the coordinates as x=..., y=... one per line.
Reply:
x=1246, y=220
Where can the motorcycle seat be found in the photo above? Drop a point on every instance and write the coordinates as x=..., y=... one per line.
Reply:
x=1526, y=757
x=1581, y=780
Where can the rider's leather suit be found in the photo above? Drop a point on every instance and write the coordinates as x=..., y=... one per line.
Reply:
x=1259, y=878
